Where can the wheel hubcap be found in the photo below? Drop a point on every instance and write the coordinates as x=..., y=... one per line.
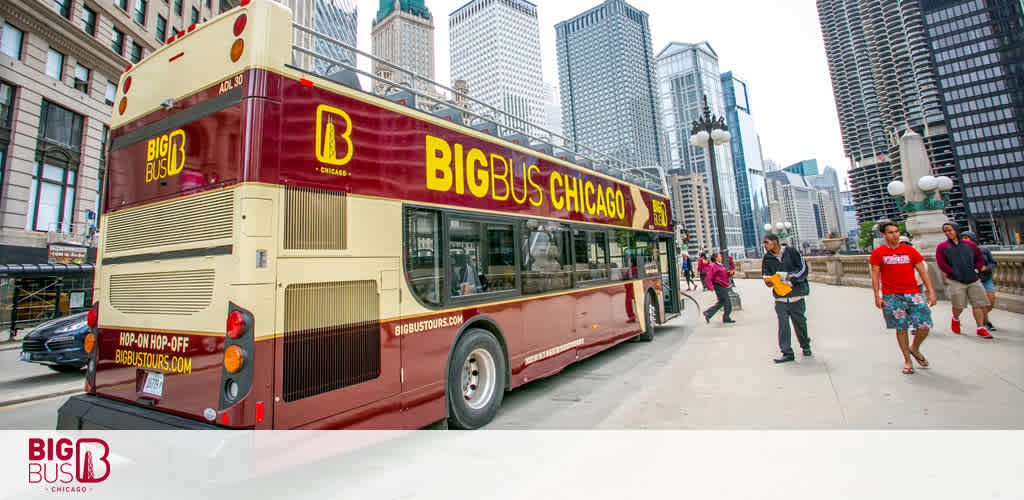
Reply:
x=652, y=316
x=478, y=378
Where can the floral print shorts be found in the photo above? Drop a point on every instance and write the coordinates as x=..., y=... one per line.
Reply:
x=906, y=311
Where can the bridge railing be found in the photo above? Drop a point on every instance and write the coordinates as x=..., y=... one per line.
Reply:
x=854, y=270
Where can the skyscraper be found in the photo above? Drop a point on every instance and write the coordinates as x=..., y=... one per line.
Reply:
x=687, y=73
x=747, y=164
x=978, y=49
x=607, y=74
x=792, y=200
x=403, y=34
x=495, y=48
x=335, y=18
x=884, y=84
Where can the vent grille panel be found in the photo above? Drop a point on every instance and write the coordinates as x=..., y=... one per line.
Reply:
x=332, y=337
x=314, y=219
x=176, y=293
x=189, y=220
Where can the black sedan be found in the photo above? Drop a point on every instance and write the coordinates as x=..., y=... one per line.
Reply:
x=58, y=344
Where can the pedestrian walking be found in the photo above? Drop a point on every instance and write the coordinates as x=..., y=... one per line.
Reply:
x=898, y=295
x=702, y=269
x=718, y=277
x=961, y=261
x=986, y=277
x=786, y=265
x=688, y=272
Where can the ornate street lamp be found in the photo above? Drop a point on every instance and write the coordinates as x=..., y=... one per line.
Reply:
x=710, y=131
x=781, y=229
x=936, y=194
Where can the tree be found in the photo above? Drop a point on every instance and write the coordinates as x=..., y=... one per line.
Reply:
x=866, y=238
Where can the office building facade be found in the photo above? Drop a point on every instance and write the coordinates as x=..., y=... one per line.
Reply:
x=792, y=200
x=884, y=84
x=692, y=212
x=607, y=77
x=978, y=50
x=687, y=73
x=747, y=164
x=334, y=18
x=403, y=35
x=501, y=66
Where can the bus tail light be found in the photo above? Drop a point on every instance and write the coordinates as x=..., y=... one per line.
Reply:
x=127, y=85
x=234, y=359
x=240, y=24
x=236, y=324
x=92, y=318
x=236, y=50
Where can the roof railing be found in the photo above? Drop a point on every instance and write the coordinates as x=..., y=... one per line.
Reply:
x=418, y=92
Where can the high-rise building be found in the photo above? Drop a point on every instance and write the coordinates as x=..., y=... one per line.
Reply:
x=792, y=200
x=607, y=74
x=689, y=193
x=803, y=168
x=830, y=205
x=849, y=215
x=687, y=74
x=978, y=50
x=335, y=18
x=747, y=164
x=552, y=109
x=495, y=48
x=403, y=35
x=62, y=61
x=884, y=84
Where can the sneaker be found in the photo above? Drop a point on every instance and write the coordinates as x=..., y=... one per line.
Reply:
x=955, y=326
x=728, y=321
x=784, y=359
x=807, y=352
x=990, y=327
x=983, y=333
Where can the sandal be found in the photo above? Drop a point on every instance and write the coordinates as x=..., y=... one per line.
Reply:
x=908, y=371
x=920, y=359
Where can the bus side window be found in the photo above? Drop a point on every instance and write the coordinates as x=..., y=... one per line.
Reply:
x=423, y=267
x=546, y=264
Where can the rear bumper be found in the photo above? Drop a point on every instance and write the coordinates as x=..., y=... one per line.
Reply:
x=71, y=358
x=86, y=411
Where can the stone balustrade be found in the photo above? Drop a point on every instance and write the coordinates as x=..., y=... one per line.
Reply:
x=854, y=270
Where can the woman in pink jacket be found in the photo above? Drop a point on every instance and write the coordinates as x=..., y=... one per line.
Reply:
x=718, y=277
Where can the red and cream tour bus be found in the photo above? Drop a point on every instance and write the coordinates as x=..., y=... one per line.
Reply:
x=281, y=250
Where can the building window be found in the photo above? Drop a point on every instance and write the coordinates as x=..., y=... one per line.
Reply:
x=52, y=198
x=88, y=21
x=140, y=12
x=161, y=29
x=136, y=54
x=208, y=4
x=195, y=15
x=6, y=113
x=63, y=7
x=123, y=4
x=82, y=78
x=55, y=64
x=110, y=93
x=177, y=7
x=11, y=44
x=117, y=41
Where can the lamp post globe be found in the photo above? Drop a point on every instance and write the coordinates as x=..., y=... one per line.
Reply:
x=768, y=227
x=944, y=183
x=927, y=183
x=896, y=188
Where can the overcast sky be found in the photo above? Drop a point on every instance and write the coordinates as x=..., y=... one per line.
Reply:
x=776, y=47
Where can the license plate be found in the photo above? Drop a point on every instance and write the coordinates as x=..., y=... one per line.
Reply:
x=154, y=385
x=25, y=357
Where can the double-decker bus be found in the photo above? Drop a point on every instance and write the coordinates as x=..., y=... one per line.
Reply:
x=280, y=249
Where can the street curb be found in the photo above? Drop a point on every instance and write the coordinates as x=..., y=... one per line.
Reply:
x=10, y=346
x=28, y=399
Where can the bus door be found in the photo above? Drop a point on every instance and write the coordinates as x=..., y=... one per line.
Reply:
x=669, y=275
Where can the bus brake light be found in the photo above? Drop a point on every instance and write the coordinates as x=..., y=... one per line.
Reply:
x=127, y=84
x=236, y=324
x=92, y=318
x=240, y=24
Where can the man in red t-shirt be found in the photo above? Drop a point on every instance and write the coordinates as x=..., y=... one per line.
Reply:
x=892, y=270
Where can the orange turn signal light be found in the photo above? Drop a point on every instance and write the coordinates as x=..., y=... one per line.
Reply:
x=234, y=359
x=236, y=50
x=89, y=343
x=124, y=104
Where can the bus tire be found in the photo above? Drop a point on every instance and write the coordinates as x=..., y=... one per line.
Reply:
x=476, y=380
x=650, y=318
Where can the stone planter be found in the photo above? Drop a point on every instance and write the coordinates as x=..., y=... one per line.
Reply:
x=832, y=244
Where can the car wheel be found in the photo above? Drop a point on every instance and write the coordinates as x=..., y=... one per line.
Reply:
x=476, y=380
x=65, y=368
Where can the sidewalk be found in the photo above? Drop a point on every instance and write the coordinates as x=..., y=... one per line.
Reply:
x=723, y=376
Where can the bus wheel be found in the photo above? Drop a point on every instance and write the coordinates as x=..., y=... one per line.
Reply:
x=651, y=313
x=476, y=380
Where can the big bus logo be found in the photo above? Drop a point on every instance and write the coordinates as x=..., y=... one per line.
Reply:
x=660, y=213
x=61, y=462
x=333, y=124
x=165, y=155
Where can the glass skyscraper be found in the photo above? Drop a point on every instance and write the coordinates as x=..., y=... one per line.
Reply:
x=747, y=164
x=607, y=74
x=686, y=74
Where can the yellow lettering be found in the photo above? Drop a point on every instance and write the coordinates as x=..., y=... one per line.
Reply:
x=512, y=182
x=151, y=150
x=439, y=160
x=589, y=188
x=460, y=171
x=476, y=176
x=620, y=205
x=540, y=192
x=557, y=200
x=572, y=192
x=176, y=160
x=602, y=208
x=495, y=159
